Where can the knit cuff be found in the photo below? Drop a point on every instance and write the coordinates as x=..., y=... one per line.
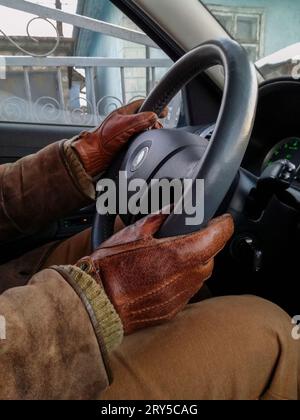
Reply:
x=108, y=323
x=83, y=179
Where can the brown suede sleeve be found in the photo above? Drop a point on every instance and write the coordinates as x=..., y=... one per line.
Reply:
x=50, y=349
x=39, y=189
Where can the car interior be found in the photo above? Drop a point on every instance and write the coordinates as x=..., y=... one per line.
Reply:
x=254, y=136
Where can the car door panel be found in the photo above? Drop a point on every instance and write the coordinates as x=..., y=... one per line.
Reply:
x=18, y=140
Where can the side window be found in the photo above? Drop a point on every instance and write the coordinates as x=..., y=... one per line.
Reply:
x=77, y=66
x=243, y=24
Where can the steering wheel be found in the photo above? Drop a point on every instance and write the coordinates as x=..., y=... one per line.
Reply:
x=174, y=154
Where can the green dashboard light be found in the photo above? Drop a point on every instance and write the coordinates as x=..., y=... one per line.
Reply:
x=288, y=149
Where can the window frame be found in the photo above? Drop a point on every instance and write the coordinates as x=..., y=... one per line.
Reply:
x=239, y=11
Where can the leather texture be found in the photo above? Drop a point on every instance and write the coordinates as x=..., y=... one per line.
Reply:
x=150, y=280
x=97, y=149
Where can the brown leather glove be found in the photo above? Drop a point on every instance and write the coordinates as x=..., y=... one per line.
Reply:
x=97, y=149
x=150, y=280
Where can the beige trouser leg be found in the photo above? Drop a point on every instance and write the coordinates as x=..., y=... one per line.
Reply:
x=222, y=348
x=71, y=250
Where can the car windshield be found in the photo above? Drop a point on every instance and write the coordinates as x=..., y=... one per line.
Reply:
x=268, y=29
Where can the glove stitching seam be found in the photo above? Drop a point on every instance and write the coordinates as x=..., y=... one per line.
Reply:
x=159, y=289
x=164, y=317
x=158, y=305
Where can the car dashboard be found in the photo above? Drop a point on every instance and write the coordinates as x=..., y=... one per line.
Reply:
x=274, y=235
x=276, y=132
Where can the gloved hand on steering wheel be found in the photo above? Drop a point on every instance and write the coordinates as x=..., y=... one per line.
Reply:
x=96, y=150
x=150, y=280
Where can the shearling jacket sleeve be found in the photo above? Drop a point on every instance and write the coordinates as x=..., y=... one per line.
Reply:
x=41, y=188
x=56, y=331
x=53, y=344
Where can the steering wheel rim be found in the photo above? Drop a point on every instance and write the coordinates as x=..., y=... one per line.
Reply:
x=231, y=136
